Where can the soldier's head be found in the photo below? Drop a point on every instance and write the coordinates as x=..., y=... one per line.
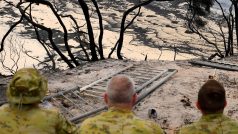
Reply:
x=120, y=90
x=211, y=97
x=26, y=87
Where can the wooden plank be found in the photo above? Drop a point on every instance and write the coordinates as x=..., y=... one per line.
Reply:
x=215, y=65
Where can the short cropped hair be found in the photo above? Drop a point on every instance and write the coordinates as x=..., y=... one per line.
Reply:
x=211, y=97
x=120, y=89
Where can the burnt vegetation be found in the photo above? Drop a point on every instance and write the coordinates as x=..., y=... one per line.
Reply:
x=93, y=50
x=197, y=16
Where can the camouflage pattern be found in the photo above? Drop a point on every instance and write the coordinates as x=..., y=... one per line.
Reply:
x=23, y=114
x=118, y=121
x=26, y=87
x=212, y=124
x=33, y=119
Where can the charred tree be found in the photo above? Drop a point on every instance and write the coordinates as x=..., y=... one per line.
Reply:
x=93, y=46
x=101, y=30
x=235, y=3
x=228, y=21
x=50, y=34
x=119, y=43
x=123, y=29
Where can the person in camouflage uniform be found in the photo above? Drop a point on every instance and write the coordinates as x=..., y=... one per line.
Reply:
x=23, y=114
x=211, y=102
x=119, y=119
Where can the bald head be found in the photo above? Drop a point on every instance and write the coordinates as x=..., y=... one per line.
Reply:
x=120, y=89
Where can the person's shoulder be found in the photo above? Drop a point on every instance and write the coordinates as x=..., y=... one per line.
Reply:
x=101, y=118
x=147, y=124
x=89, y=125
x=231, y=122
x=143, y=121
x=232, y=127
x=189, y=126
x=187, y=129
x=91, y=120
x=93, y=123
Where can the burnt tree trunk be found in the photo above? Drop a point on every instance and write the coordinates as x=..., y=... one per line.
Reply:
x=84, y=7
x=101, y=29
x=64, y=29
x=236, y=19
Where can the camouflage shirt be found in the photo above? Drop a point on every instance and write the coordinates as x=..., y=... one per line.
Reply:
x=116, y=121
x=212, y=124
x=29, y=119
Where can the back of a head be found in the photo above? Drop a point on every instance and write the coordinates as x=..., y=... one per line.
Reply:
x=120, y=89
x=211, y=97
x=26, y=87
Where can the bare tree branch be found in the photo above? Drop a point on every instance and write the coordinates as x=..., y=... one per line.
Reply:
x=50, y=35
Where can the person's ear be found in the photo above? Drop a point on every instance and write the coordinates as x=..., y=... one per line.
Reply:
x=225, y=104
x=198, y=105
x=134, y=98
x=105, y=97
